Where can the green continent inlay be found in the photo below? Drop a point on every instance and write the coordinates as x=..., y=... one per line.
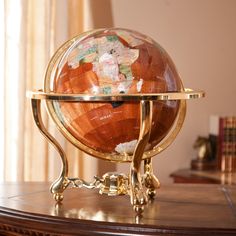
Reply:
x=126, y=70
x=106, y=90
x=112, y=38
x=83, y=54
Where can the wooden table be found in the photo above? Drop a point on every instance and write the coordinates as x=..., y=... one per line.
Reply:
x=204, y=177
x=28, y=209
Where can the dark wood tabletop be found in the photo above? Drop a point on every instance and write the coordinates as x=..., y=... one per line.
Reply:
x=29, y=209
x=204, y=177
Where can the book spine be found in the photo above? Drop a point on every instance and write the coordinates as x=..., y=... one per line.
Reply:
x=234, y=144
x=221, y=161
x=227, y=144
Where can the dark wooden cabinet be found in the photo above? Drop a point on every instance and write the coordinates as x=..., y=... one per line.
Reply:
x=204, y=177
x=28, y=209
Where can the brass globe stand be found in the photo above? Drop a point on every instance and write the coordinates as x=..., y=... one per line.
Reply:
x=138, y=187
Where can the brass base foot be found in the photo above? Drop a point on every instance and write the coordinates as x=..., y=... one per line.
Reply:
x=58, y=197
x=138, y=209
x=58, y=187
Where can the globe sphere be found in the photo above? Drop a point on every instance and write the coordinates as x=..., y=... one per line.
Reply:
x=112, y=61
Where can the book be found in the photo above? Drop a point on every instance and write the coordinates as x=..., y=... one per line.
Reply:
x=226, y=142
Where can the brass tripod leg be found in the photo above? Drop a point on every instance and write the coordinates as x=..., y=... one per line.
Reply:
x=150, y=180
x=138, y=196
x=62, y=182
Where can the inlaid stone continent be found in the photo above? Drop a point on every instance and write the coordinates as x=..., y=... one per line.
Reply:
x=114, y=61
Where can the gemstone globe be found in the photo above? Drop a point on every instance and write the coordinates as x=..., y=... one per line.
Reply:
x=114, y=61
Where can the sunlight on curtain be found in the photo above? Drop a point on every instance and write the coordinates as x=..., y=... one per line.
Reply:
x=2, y=23
x=13, y=12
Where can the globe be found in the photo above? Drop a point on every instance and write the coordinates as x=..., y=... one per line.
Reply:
x=110, y=62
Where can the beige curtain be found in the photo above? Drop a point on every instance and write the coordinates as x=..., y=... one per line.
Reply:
x=34, y=29
x=40, y=25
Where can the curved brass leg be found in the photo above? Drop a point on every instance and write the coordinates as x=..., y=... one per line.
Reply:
x=138, y=196
x=62, y=182
x=150, y=180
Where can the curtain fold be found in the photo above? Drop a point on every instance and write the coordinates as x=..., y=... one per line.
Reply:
x=38, y=26
x=13, y=88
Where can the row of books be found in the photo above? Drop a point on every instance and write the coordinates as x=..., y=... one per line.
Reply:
x=224, y=129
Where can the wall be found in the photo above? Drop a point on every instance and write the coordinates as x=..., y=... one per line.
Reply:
x=200, y=36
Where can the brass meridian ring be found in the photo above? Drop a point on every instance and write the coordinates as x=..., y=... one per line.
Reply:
x=186, y=94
